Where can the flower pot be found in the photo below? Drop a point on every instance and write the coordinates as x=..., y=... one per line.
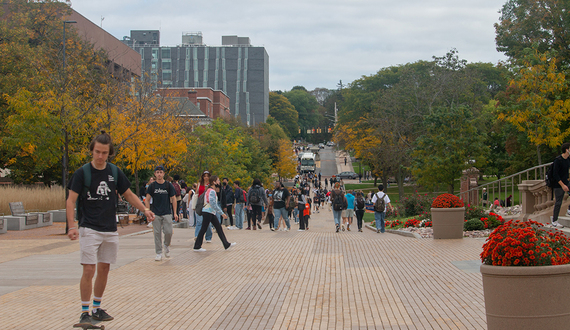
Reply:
x=528, y=297
x=447, y=222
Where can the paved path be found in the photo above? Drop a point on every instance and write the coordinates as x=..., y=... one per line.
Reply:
x=317, y=279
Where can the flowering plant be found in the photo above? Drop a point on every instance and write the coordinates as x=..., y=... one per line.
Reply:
x=412, y=223
x=392, y=224
x=426, y=223
x=493, y=220
x=526, y=243
x=447, y=201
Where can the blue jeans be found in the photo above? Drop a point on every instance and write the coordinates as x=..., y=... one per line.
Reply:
x=281, y=213
x=199, y=220
x=379, y=218
x=337, y=217
x=239, y=215
x=296, y=214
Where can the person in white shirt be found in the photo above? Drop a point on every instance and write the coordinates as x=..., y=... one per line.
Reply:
x=380, y=215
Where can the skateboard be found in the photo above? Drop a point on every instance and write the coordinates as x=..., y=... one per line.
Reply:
x=90, y=326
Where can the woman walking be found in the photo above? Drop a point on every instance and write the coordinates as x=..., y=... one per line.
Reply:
x=209, y=211
x=257, y=199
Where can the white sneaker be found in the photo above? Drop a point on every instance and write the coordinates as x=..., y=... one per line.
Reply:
x=200, y=250
x=158, y=257
x=149, y=225
x=557, y=224
x=272, y=229
x=285, y=229
x=167, y=251
x=568, y=212
x=210, y=241
x=231, y=245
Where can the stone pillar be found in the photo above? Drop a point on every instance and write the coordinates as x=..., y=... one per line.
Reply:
x=469, y=181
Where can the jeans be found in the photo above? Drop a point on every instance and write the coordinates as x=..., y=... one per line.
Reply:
x=199, y=220
x=337, y=217
x=208, y=220
x=296, y=215
x=239, y=215
x=162, y=223
x=281, y=213
x=379, y=218
x=559, y=195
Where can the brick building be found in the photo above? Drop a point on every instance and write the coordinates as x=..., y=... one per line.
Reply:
x=212, y=103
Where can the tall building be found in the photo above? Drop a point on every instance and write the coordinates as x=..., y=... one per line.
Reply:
x=237, y=68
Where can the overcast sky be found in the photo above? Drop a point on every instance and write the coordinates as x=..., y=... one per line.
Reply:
x=317, y=43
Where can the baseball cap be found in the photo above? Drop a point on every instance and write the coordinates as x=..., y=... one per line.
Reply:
x=159, y=168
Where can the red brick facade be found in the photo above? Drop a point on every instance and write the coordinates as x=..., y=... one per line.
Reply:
x=212, y=103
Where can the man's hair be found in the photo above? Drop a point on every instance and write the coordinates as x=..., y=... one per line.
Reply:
x=565, y=147
x=237, y=182
x=381, y=187
x=103, y=138
x=226, y=179
x=256, y=182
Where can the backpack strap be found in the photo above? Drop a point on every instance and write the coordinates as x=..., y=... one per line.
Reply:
x=86, y=177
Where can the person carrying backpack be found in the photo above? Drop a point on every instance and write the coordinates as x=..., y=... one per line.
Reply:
x=380, y=201
x=339, y=203
x=359, y=209
x=240, y=199
x=256, y=198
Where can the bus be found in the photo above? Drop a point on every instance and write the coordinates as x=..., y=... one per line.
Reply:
x=308, y=162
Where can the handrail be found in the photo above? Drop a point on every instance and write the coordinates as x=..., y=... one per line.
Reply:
x=498, y=185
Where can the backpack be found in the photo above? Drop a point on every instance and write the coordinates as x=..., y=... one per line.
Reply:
x=549, y=177
x=360, y=203
x=200, y=204
x=87, y=185
x=254, y=197
x=176, y=188
x=380, y=204
x=291, y=205
x=338, y=202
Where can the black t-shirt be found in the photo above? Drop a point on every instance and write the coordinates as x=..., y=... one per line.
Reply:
x=161, y=194
x=100, y=201
x=280, y=197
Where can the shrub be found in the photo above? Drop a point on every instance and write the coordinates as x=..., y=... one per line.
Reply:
x=474, y=212
x=416, y=204
x=473, y=224
x=493, y=220
x=392, y=224
x=412, y=223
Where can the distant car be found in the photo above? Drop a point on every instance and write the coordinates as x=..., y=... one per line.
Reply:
x=321, y=145
x=347, y=175
x=309, y=145
x=330, y=144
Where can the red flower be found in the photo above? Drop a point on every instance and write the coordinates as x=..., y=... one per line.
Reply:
x=447, y=201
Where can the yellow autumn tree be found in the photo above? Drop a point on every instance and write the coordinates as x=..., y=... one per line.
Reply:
x=286, y=165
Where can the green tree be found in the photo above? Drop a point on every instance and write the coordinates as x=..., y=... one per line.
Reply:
x=284, y=113
x=306, y=106
x=451, y=144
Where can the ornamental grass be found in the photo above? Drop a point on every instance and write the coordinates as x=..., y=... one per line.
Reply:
x=526, y=243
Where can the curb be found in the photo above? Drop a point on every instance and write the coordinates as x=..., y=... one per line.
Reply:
x=398, y=232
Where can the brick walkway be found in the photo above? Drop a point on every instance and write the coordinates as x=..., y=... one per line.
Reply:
x=316, y=279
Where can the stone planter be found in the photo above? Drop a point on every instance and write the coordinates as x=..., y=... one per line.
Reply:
x=447, y=223
x=527, y=297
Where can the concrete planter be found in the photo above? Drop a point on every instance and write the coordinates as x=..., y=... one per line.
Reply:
x=447, y=222
x=535, y=297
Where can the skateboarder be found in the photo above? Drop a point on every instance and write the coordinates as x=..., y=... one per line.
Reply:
x=97, y=191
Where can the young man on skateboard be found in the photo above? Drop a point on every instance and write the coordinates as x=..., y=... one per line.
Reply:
x=97, y=226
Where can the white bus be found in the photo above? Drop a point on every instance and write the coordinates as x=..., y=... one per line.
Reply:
x=308, y=162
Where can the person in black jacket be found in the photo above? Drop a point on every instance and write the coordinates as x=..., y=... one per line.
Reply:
x=229, y=201
x=560, y=168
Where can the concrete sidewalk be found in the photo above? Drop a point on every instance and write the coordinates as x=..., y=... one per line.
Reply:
x=270, y=280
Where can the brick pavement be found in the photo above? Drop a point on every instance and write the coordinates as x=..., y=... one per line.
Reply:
x=317, y=279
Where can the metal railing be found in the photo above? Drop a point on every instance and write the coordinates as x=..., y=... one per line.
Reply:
x=507, y=186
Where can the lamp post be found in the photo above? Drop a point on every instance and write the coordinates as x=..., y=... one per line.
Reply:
x=65, y=156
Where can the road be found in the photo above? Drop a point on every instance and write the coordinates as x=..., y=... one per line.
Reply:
x=327, y=164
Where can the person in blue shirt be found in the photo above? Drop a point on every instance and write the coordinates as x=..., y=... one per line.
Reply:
x=349, y=212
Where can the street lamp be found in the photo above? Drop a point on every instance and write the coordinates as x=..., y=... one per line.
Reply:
x=65, y=156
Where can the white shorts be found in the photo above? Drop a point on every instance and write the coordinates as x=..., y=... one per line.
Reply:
x=96, y=246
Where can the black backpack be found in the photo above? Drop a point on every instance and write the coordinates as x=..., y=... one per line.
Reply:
x=254, y=197
x=338, y=201
x=549, y=177
x=200, y=203
x=360, y=203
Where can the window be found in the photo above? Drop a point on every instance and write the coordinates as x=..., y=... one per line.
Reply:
x=155, y=53
x=166, y=76
x=166, y=65
x=165, y=53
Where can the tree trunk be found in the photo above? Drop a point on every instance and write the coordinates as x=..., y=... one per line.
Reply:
x=451, y=188
x=400, y=180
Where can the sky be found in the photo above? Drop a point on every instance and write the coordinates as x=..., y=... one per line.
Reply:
x=317, y=43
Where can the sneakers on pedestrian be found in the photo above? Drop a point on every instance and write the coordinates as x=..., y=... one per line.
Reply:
x=167, y=251
x=272, y=229
x=286, y=229
x=556, y=224
x=337, y=228
x=100, y=315
x=200, y=250
x=232, y=244
x=348, y=227
x=248, y=228
x=158, y=257
x=258, y=226
x=301, y=230
x=568, y=212
x=84, y=320
x=342, y=226
x=208, y=241
x=377, y=231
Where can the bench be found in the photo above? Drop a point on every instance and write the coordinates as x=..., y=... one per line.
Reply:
x=20, y=220
x=3, y=227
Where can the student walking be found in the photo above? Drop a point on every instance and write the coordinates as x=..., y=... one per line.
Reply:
x=257, y=199
x=359, y=209
x=240, y=199
x=339, y=204
x=164, y=199
x=380, y=201
x=204, y=182
x=96, y=185
x=301, y=206
x=209, y=211
x=280, y=198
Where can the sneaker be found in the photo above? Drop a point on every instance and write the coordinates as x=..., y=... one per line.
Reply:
x=258, y=226
x=272, y=229
x=248, y=228
x=208, y=241
x=158, y=257
x=232, y=244
x=377, y=231
x=337, y=228
x=200, y=250
x=301, y=230
x=360, y=230
x=568, y=212
x=557, y=224
x=101, y=315
x=348, y=227
x=84, y=320
x=342, y=226
x=167, y=251
x=286, y=229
